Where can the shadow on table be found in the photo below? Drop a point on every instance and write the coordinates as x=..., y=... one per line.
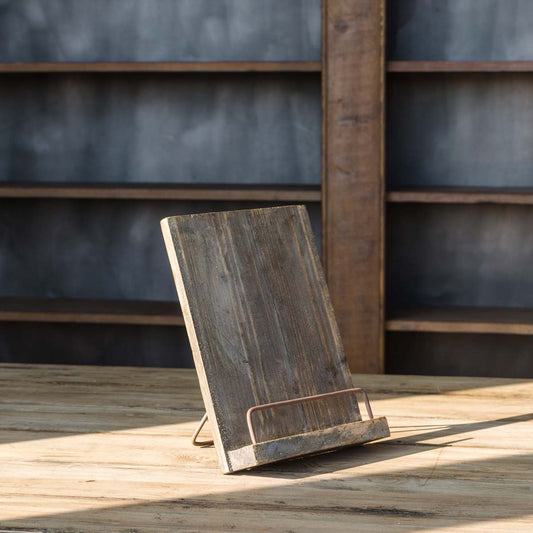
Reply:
x=340, y=460
x=51, y=401
x=434, y=496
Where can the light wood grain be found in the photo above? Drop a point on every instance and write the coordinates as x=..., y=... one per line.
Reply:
x=261, y=326
x=352, y=166
x=106, y=449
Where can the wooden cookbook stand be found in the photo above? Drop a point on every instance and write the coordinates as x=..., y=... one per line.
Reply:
x=272, y=370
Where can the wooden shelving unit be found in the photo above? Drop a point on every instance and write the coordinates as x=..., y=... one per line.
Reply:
x=462, y=320
x=458, y=109
x=81, y=311
x=146, y=191
x=461, y=195
x=170, y=66
x=162, y=77
x=459, y=66
x=355, y=200
x=138, y=312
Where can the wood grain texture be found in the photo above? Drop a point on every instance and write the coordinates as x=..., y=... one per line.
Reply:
x=260, y=323
x=353, y=189
x=323, y=440
x=107, y=450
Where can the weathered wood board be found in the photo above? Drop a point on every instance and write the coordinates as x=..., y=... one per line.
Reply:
x=262, y=330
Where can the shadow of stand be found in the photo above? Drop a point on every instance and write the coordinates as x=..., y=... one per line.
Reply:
x=392, y=448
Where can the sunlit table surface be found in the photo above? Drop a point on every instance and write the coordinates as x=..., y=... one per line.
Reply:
x=107, y=449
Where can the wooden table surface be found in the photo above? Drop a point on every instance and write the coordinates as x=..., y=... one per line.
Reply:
x=104, y=449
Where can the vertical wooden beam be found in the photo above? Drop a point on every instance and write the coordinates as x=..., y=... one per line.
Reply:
x=353, y=174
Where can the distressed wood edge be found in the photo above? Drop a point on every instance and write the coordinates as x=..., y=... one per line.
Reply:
x=193, y=340
x=307, y=443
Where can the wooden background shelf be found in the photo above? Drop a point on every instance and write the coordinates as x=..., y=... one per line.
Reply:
x=146, y=191
x=167, y=66
x=462, y=320
x=461, y=195
x=459, y=190
x=459, y=66
x=99, y=120
x=251, y=106
x=80, y=311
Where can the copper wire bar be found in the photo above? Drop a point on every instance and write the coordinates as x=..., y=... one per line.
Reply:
x=302, y=400
x=197, y=432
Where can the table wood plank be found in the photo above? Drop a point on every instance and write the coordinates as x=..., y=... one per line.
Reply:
x=107, y=449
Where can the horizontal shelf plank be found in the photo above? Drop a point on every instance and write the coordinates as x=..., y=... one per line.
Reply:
x=460, y=66
x=462, y=195
x=90, y=311
x=166, y=66
x=506, y=321
x=115, y=191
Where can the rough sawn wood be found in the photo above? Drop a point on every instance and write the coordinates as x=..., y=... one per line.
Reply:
x=262, y=330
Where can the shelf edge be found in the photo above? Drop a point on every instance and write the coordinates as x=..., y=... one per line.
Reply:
x=415, y=66
x=162, y=66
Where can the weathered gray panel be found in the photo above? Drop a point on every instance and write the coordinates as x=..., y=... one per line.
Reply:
x=256, y=306
x=94, y=344
x=87, y=249
x=460, y=130
x=470, y=255
x=160, y=128
x=460, y=355
x=496, y=30
x=159, y=30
